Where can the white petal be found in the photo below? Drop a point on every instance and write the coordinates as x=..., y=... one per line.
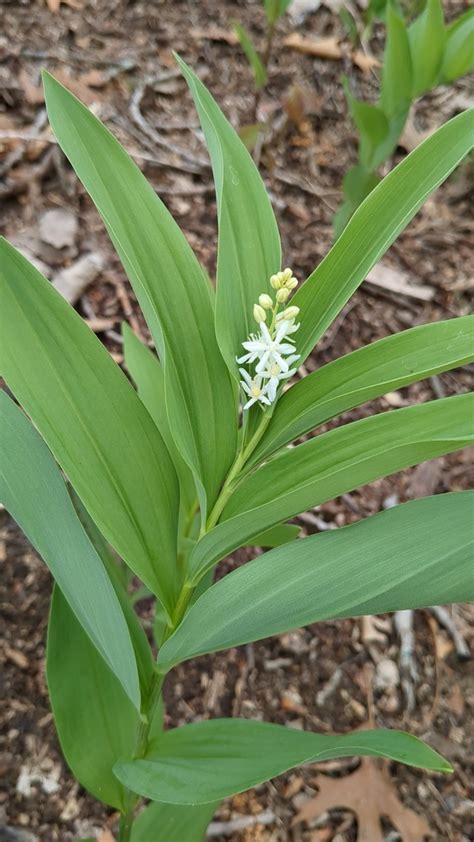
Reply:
x=246, y=376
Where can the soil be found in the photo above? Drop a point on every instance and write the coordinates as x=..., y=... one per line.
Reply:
x=115, y=54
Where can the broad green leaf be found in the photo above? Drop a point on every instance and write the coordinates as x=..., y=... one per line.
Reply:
x=397, y=73
x=249, y=244
x=253, y=58
x=93, y=421
x=173, y=822
x=275, y=537
x=33, y=491
x=172, y=288
x=96, y=724
x=416, y=554
x=376, y=224
x=332, y=464
x=427, y=38
x=459, y=50
x=138, y=636
x=207, y=761
x=147, y=373
x=275, y=9
x=373, y=128
x=367, y=373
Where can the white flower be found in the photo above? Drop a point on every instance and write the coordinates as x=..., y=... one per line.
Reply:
x=273, y=349
x=275, y=375
x=254, y=389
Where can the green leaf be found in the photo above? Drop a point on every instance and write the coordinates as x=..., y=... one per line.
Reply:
x=33, y=491
x=332, y=464
x=207, y=761
x=375, y=225
x=249, y=249
x=411, y=556
x=283, y=533
x=174, y=823
x=397, y=74
x=356, y=185
x=373, y=128
x=93, y=421
x=367, y=373
x=96, y=723
x=275, y=9
x=253, y=58
x=427, y=37
x=459, y=51
x=171, y=286
x=147, y=373
x=138, y=636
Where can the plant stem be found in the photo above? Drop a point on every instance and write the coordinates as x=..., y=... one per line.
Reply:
x=125, y=828
x=234, y=474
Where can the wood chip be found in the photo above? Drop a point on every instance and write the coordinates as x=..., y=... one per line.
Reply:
x=72, y=281
x=393, y=280
x=17, y=658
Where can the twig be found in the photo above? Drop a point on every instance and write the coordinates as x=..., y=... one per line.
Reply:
x=240, y=823
x=448, y=623
x=404, y=626
x=134, y=107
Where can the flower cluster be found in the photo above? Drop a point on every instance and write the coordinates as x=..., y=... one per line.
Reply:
x=271, y=348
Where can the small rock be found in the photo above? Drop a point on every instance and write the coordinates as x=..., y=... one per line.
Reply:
x=58, y=228
x=387, y=675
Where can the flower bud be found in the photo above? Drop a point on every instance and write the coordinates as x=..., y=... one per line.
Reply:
x=259, y=313
x=291, y=312
x=291, y=284
x=287, y=274
x=282, y=295
x=275, y=281
x=265, y=301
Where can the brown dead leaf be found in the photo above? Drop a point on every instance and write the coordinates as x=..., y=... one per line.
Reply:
x=328, y=48
x=34, y=94
x=370, y=794
x=215, y=33
x=53, y=6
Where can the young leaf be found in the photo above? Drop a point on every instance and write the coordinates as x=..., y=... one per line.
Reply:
x=356, y=185
x=96, y=723
x=147, y=373
x=372, y=125
x=207, y=761
x=93, y=421
x=397, y=74
x=332, y=464
x=459, y=50
x=275, y=9
x=33, y=491
x=369, y=372
x=416, y=554
x=249, y=249
x=253, y=58
x=171, y=287
x=376, y=224
x=174, y=822
x=427, y=38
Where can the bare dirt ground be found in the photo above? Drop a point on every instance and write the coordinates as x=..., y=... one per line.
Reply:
x=332, y=677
